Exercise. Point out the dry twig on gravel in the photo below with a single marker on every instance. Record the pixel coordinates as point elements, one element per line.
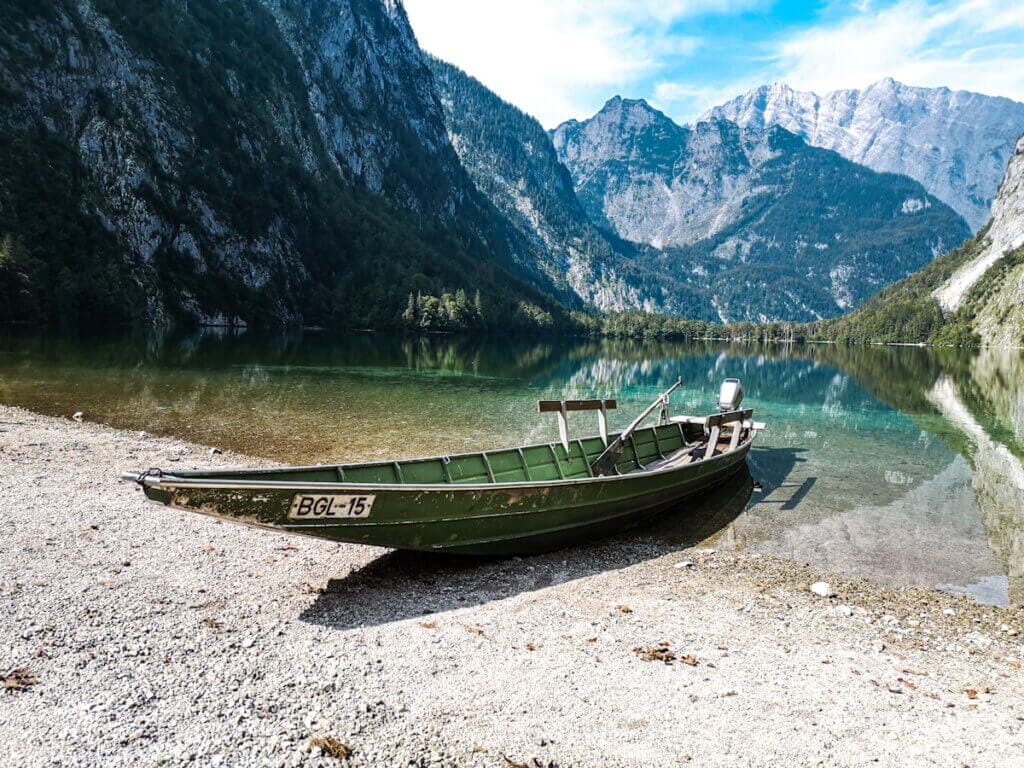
<point>19,679</point>
<point>332,747</point>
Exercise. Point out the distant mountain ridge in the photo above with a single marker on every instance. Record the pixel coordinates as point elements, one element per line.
<point>956,143</point>
<point>511,160</point>
<point>973,295</point>
<point>756,220</point>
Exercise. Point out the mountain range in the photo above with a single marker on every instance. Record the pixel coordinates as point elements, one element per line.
<point>510,158</point>
<point>972,296</point>
<point>956,143</point>
<point>762,224</point>
<point>304,162</point>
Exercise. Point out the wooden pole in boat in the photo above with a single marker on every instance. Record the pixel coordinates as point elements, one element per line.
<point>604,463</point>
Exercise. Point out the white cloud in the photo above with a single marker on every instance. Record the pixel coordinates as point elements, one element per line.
<point>670,94</point>
<point>976,45</point>
<point>558,60</point>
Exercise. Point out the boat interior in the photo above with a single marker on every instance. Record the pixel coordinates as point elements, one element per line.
<point>668,445</point>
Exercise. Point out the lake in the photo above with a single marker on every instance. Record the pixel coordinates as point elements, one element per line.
<point>898,464</point>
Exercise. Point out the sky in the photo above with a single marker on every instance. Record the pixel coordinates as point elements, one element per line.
<point>562,59</point>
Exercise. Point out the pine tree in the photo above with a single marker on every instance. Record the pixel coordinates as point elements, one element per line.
<point>409,316</point>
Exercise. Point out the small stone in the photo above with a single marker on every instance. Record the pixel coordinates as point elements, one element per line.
<point>845,610</point>
<point>822,589</point>
<point>215,451</point>
<point>685,564</point>
<point>78,416</point>
<point>948,612</point>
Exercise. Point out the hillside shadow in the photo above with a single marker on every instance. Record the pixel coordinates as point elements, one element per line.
<point>402,585</point>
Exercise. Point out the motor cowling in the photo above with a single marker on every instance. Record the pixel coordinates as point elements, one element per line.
<point>731,395</point>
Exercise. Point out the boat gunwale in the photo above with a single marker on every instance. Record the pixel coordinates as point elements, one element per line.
<point>163,481</point>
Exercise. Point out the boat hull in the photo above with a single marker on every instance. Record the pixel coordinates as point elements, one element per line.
<point>497,519</point>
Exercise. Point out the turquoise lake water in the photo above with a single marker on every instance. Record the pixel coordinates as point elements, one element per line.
<point>902,465</point>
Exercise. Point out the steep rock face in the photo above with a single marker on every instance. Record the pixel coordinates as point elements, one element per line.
<point>652,180</point>
<point>956,143</point>
<point>510,158</point>
<point>999,313</point>
<point>764,225</point>
<point>242,160</point>
<point>373,100</point>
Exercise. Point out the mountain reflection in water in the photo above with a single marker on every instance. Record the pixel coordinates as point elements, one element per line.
<point>898,464</point>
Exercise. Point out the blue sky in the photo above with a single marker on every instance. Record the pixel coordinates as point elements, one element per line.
<point>558,59</point>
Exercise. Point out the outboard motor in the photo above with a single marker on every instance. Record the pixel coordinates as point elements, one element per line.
<point>730,396</point>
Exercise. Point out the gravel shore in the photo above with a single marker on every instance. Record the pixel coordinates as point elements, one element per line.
<point>139,636</point>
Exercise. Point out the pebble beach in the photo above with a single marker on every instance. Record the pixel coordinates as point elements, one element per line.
<point>135,635</point>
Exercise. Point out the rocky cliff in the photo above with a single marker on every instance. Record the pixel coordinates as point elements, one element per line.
<point>512,161</point>
<point>956,143</point>
<point>232,161</point>
<point>990,286</point>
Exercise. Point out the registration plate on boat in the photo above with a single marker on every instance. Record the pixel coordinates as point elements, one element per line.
<point>329,506</point>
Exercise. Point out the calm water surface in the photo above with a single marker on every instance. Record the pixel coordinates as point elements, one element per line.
<point>902,465</point>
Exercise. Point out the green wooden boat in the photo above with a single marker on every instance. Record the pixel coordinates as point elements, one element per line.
<point>503,502</point>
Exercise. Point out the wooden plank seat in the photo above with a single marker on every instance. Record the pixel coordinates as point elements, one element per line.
<point>554,406</point>
<point>727,417</point>
<point>713,428</point>
<point>562,407</point>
